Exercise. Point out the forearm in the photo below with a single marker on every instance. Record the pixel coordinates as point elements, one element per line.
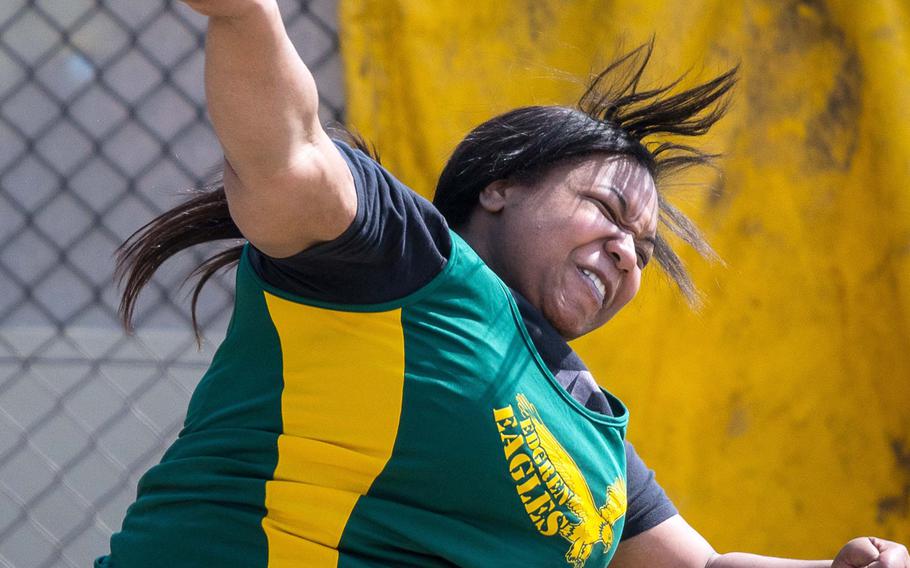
<point>261,97</point>
<point>742,560</point>
<point>674,544</point>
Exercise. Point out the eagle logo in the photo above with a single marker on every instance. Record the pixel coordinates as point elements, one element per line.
<point>574,515</point>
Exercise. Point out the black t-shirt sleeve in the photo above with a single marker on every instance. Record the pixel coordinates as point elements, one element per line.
<point>396,244</point>
<point>648,503</point>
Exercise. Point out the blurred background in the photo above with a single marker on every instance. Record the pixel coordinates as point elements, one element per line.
<point>102,126</point>
<point>777,417</point>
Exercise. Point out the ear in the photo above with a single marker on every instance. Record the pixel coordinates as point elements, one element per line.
<point>493,196</point>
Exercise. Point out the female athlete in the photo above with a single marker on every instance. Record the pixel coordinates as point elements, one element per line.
<point>395,387</point>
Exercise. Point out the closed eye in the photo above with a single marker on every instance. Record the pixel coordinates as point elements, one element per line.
<point>604,209</point>
<point>643,258</point>
<point>642,255</point>
<point>646,253</point>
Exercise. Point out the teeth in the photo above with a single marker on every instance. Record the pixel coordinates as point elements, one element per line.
<point>598,283</point>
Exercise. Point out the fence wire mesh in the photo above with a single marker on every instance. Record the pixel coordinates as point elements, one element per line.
<point>102,122</point>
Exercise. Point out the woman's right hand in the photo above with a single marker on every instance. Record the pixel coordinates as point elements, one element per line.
<point>227,8</point>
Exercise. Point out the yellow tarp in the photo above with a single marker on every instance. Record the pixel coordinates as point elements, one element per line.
<point>778,418</point>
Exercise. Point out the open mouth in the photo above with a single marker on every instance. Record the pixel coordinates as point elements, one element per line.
<point>599,286</point>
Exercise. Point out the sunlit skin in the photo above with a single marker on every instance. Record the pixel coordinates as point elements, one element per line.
<point>597,214</point>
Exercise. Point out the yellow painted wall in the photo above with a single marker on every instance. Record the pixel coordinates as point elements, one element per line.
<point>778,418</point>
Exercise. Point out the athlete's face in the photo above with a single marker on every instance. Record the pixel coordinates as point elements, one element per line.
<point>574,242</point>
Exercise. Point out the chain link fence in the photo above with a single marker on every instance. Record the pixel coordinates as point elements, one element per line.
<point>102,123</point>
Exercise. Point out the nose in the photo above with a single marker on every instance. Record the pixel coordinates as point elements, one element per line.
<point>621,248</point>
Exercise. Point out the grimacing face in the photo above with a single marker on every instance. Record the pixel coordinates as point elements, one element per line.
<point>575,241</point>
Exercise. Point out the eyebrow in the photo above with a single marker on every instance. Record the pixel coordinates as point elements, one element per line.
<point>622,200</point>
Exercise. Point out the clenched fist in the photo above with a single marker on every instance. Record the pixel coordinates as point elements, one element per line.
<point>871,552</point>
<point>227,8</point>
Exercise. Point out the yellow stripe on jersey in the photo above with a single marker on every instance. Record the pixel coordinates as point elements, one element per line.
<point>343,382</point>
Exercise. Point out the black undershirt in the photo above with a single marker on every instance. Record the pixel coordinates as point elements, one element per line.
<point>396,244</point>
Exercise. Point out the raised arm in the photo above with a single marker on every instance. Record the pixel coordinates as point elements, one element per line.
<point>287,185</point>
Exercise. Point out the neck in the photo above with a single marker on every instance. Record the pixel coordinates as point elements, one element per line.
<point>476,238</point>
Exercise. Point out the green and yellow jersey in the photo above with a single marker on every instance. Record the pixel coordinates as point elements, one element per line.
<point>448,425</point>
<point>452,445</point>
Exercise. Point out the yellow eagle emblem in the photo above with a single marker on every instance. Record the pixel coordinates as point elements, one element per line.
<point>571,510</point>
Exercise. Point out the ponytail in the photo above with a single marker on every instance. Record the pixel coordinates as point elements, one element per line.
<point>202,219</point>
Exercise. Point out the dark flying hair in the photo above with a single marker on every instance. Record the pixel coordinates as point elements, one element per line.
<point>613,116</point>
<point>202,218</point>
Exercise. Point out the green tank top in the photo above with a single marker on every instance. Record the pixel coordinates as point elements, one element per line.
<point>422,432</point>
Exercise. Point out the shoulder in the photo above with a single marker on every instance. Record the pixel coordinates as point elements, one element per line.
<point>396,243</point>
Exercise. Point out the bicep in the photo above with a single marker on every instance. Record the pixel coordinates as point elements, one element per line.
<point>312,200</point>
<point>671,544</point>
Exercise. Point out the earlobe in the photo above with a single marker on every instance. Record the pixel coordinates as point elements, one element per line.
<point>493,196</point>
